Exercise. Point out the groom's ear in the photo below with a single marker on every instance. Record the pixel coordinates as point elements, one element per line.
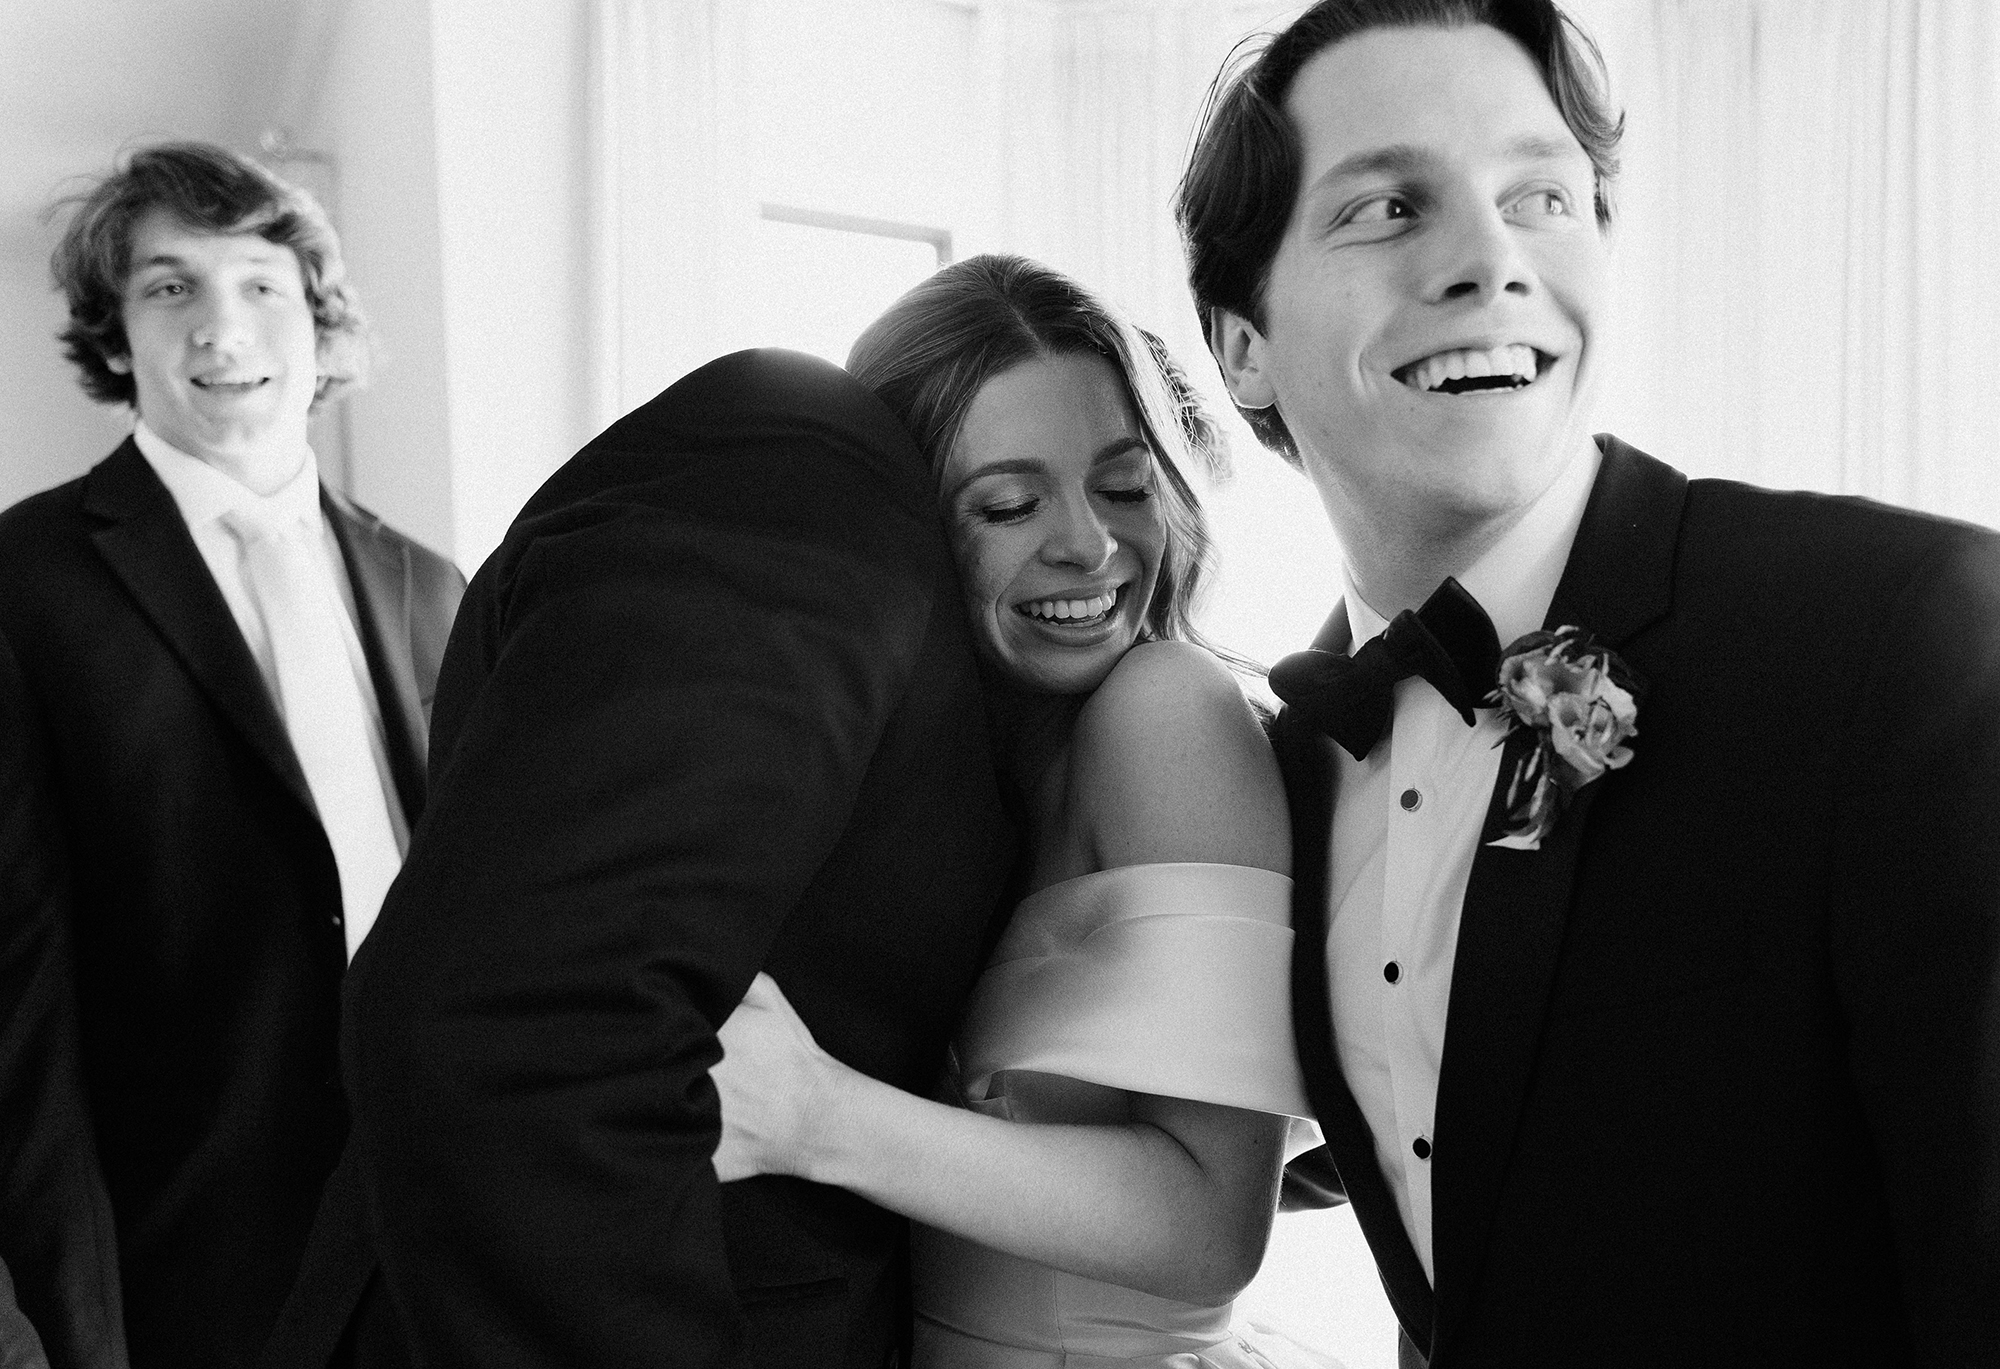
<point>1240,350</point>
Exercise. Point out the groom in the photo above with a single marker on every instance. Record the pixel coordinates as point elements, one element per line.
<point>1706,1070</point>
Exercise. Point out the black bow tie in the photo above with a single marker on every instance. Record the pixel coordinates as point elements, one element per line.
<point>1449,641</point>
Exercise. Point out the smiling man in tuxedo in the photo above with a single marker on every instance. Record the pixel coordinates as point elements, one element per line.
<point>1697,1061</point>
<point>226,668</point>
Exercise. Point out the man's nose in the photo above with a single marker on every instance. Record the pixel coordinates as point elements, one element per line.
<point>1478,255</point>
<point>1079,538</point>
<point>220,324</point>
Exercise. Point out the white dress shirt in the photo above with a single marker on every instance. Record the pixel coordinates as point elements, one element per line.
<point>204,496</point>
<point>1406,825</point>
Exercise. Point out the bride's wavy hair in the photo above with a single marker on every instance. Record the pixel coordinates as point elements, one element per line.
<point>937,346</point>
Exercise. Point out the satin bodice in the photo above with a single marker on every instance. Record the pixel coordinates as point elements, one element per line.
<point>1168,979</point>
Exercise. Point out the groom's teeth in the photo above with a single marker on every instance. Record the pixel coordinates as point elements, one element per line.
<point>1466,370</point>
<point>1070,610</point>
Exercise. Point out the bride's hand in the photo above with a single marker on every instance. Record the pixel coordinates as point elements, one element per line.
<point>773,1079</point>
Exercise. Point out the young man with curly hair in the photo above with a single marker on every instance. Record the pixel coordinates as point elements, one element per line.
<point>228,668</point>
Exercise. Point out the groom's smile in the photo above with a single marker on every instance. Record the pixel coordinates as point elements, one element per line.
<point>1473,370</point>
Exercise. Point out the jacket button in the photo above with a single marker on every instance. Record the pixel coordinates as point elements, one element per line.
<point>1392,972</point>
<point>1411,800</point>
<point>1421,1148</point>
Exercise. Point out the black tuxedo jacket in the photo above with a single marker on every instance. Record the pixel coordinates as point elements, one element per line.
<point>206,904</point>
<point>711,708</point>
<point>55,1220</point>
<point>1721,1075</point>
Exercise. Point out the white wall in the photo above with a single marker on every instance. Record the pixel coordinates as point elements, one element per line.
<point>377,120</point>
<point>459,132</point>
<point>53,432</point>
<point>510,126</point>
<point>462,136</point>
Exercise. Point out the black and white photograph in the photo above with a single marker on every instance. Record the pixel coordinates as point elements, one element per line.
<point>999,684</point>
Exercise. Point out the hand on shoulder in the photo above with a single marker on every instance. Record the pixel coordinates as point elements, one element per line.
<point>1169,763</point>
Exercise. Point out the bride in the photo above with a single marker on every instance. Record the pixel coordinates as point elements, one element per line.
<point>1103,1183</point>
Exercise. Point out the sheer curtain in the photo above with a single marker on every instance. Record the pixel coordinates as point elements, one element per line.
<point>664,202</point>
<point>1808,261</point>
<point>1091,111</point>
<point>1078,121</point>
<point>1809,243</point>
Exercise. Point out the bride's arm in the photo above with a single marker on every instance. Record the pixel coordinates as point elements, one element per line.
<point>1177,1198</point>
<point>1176,1201</point>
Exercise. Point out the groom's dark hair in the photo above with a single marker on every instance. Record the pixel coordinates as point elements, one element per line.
<point>1236,195</point>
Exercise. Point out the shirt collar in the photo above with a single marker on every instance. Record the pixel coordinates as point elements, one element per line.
<point>1515,581</point>
<point>204,494</point>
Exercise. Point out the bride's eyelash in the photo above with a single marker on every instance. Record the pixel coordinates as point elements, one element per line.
<point>1006,513</point>
<point>1014,513</point>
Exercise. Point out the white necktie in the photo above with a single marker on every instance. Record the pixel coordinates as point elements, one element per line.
<point>321,703</point>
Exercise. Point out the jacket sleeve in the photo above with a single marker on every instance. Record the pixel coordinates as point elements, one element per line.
<point>1916,936</point>
<point>56,1231</point>
<point>654,715</point>
<point>1311,1182</point>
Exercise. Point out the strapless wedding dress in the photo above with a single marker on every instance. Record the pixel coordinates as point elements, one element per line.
<point>1162,979</point>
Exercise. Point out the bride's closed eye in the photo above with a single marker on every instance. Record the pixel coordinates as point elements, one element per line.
<point>1020,509</point>
<point>1006,513</point>
<point>1132,494</point>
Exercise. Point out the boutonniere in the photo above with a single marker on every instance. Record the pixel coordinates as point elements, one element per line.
<point>1577,698</point>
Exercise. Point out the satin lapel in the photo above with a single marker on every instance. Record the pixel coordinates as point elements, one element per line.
<point>1617,581</point>
<point>378,569</point>
<point>149,549</point>
<point>1306,761</point>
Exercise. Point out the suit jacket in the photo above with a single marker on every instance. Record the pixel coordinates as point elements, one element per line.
<point>711,708</point>
<point>55,1219</point>
<point>207,935</point>
<point>1721,1075</point>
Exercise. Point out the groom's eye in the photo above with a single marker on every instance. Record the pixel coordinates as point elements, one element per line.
<point>1543,203</point>
<point>1378,211</point>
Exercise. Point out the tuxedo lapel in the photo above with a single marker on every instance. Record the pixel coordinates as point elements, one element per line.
<point>378,569</point>
<point>1617,581</point>
<point>148,548</point>
<point>1305,759</point>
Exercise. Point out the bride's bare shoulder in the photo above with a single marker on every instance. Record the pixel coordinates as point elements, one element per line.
<point>1170,763</point>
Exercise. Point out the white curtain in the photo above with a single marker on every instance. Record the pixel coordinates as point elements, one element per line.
<point>663,210</point>
<point>1808,262</point>
<point>1078,122</point>
<point>1090,106</point>
<point>1809,243</point>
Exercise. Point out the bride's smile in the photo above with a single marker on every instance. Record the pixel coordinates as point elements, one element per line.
<point>1050,496</point>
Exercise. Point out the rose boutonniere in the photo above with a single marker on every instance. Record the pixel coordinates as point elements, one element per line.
<point>1577,697</point>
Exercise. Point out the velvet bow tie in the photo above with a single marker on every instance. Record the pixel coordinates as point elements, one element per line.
<point>1449,641</point>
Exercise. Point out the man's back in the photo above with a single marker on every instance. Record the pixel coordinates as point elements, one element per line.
<point>711,708</point>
